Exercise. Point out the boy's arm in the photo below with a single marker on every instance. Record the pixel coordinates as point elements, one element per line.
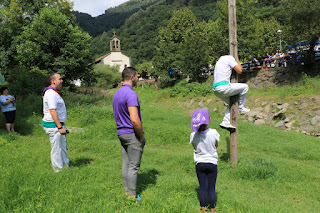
<point>136,122</point>
<point>238,67</point>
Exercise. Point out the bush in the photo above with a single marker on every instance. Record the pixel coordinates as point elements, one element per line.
<point>183,88</point>
<point>24,82</point>
<point>107,76</point>
<point>165,82</point>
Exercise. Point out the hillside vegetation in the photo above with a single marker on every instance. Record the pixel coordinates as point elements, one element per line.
<point>277,171</point>
<point>112,18</point>
<point>139,32</point>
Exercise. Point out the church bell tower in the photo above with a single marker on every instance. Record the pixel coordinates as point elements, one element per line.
<point>115,43</point>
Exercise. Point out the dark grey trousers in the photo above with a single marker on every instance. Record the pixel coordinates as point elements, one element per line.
<point>131,149</point>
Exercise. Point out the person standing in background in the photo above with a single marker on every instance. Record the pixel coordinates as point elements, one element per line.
<point>8,107</point>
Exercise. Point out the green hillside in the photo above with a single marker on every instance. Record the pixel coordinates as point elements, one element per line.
<point>112,18</point>
<point>139,30</point>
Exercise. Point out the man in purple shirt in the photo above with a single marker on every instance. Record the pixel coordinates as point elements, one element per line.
<point>126,109</point>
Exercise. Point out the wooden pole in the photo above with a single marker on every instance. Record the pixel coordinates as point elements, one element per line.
<point>234,79</point>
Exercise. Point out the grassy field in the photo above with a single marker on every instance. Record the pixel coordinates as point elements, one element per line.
<point>277,171</point>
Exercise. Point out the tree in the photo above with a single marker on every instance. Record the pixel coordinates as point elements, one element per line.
<point>254,34</point>
<point>195,53</point>
<point>33,45</point>
<point>52,43</point>
<point>217,39</point>
<point>16,14</point>
<point>182,45</point>
<point>270,35</point>
<point>145,66</point>
<point>107,76</point>
<point>303,18</point>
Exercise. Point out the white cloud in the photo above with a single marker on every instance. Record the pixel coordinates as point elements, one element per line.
<point>95,7</point>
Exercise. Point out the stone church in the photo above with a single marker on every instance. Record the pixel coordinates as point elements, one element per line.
<point>115,57</point>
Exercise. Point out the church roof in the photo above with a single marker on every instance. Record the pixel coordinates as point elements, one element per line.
<point>115,37</point>
<point>99,59</point>
<point>102,57</point>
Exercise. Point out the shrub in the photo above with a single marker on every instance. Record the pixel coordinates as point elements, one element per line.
<point>197,89</point>
<point>107,76</point>
<point>306,80</point>
<point>23,82</point>
<point>165,82</point>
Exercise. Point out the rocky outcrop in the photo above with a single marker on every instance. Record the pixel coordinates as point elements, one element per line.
<point>269,77</point>
<point>302,115</point>
<point>277,115</point>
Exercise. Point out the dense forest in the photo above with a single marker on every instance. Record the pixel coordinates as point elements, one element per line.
<point>137,23</point>
<point>43,36</point>
<point>113,17</point>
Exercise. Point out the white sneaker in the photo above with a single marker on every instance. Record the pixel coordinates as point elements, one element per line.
<point>243,110</point>
<point>226,125</point>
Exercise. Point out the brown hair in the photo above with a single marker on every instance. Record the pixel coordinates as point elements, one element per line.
<point>52,77</point>
<point>128,72</point>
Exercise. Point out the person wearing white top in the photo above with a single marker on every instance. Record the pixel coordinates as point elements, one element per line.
<point>205,144</point>
<point>224,89</point>
<point>54,116</point>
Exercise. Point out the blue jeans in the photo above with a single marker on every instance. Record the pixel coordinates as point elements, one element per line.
<point>131,149</point>
<point>207,176</point>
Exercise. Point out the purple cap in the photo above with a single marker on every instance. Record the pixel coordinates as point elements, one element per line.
<point>199,117</point>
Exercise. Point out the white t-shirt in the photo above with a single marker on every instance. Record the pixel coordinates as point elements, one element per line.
<point>52,100</point>
<point>204,149</point>
<point>223,68</point>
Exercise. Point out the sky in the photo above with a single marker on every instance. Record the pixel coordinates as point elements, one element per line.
<point>95,7</point>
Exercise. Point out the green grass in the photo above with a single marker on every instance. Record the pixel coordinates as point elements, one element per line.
<point>306,86</point>
<point>277,171</point>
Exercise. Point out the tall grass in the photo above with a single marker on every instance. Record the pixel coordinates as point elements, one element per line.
<point>277,171</point>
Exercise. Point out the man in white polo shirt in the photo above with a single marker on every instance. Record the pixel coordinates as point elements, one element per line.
<point>54,116</point>
<point>224,89</point>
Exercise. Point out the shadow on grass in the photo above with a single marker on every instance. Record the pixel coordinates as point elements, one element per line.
<point>80,162</point>
<point>226,156</point>
<point>146,179</point>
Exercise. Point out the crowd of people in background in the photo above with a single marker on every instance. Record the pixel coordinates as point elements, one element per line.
<point>278,59</point>
<point>275,59</point>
